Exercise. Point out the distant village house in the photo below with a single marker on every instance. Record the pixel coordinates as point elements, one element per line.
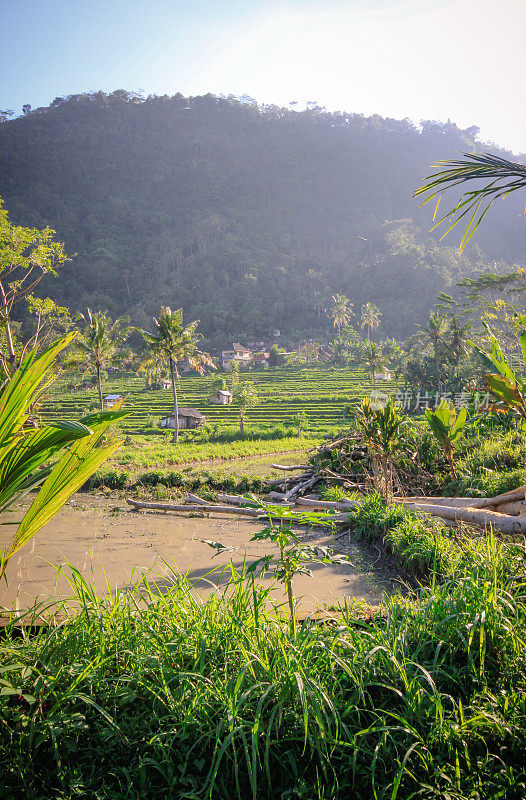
<point>221,398</point>
<point>188,418</point>
<point>238,353</point>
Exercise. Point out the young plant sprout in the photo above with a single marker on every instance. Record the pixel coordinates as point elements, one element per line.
<point>292,556</point>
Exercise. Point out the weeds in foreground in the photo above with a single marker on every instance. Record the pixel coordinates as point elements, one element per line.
<point>157,693</point>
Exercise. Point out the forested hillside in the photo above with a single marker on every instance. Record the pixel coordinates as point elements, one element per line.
<point>249,217</point>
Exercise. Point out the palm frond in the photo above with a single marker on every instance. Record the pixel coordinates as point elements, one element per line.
<point>502,178</point>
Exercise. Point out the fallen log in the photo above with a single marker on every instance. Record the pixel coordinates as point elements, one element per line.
<point>289,468</point>
<point>244,501</point>
<point>244,512</point>
<point>193,498</point>
<point>514,509</point>
<point>342,505</point>
<point>461,502</point>
<point>300,487</point>
<point>288,479</point>
<point>278,496</point>
<point>508,497</point>
<point>258,513</point>
<point>501,522</point>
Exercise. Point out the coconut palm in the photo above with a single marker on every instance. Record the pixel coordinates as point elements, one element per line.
<point>370,318</point>
<point>174,342</point>
<point>501,178</point>
<point>100,341</point>
<point>340,311</point>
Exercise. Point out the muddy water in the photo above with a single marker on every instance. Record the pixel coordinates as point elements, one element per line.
<point>109,544</point>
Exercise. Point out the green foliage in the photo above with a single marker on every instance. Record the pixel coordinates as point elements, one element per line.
<point>146,694</point>
<point>276,356</point>
<point>246,397</point>
<point>100,343</point>
<point>447,427</point>
<point>233,260</point>
<point>174,342</point>
<point>299,420</point>
<point>502,176</point>
<point>383,430</point>
<point>25,453</point>
<point>27,255</point>
<point>504,384</point>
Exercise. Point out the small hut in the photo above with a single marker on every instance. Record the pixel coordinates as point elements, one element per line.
<point>384,375</point>
<point>110,400</point>
<point>221,398</point>
<point>166,383</point>
<point>188,418</point>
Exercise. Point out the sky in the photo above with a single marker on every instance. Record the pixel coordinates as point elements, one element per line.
<point>461,60</point>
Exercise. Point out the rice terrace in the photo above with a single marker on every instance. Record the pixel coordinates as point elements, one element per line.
<point>262,415</point>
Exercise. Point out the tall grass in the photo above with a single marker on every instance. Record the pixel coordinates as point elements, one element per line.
<point>157,694</point>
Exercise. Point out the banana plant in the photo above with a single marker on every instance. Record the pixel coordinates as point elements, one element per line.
<point>447,427</point>
<point>25,453</point>
<point>505,385</point>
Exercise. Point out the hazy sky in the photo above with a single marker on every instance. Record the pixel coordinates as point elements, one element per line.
<point>423,59</point>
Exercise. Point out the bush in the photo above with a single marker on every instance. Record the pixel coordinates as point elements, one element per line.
<point>110,479</point>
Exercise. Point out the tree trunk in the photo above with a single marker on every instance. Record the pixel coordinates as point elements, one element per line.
<point>241,421</point>
<point>99,383</point>
<point>175,437</point>
<point>9,339</point>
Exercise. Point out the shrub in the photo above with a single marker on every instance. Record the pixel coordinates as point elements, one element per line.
<point>112,479</point>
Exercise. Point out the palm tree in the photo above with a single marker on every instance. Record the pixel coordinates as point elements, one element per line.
<point>100,341</point>
<point>501,176</point>
<point>373,359</point>
<point>340,311</point>
<point>370,318</point>
<point>174,342</point>
<point>432,336</point>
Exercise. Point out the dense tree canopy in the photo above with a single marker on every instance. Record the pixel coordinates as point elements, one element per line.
<point>251,218</point>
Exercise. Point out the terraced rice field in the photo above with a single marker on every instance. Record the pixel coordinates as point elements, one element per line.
<point>322,394</point>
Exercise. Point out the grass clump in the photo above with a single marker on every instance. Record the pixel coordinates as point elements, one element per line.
<point>422,546</point>
<point>149,695</point>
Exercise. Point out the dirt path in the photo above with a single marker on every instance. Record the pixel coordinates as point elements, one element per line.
<point>107,542</point>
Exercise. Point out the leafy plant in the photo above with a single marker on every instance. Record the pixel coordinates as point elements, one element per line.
<point>299,420</point>
<point>25,452</point>
<point>447,426</point>
<point>502,381</point>
<point>247,398</point>
<point>292,557</point>
<point>382,428</point>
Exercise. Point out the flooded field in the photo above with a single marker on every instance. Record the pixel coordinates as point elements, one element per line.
<point>111,545</point>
